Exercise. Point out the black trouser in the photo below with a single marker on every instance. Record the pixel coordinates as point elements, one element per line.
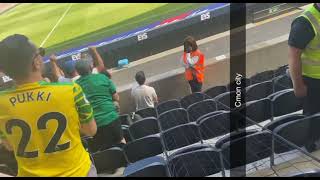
<point>195,85</point>
<point>107,136</point>
<point>311,105</point>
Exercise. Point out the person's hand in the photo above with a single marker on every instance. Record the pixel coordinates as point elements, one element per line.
<point>53,58</point>
<point>92,48</point>
<point>300,90</point>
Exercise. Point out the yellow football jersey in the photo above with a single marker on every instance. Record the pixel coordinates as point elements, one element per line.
<point>42,123</point>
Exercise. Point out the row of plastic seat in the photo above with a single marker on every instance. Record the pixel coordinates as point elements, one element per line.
<point>202,112</point>
<point>190,161</point>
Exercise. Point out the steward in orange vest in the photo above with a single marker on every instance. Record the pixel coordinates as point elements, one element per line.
<point>193,60</point>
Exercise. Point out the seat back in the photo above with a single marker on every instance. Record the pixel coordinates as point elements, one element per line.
<point>233,136</point>
<point>223,100</point>
<point>173,118</point>
<point>259,90</point>
<point>180,136</point>
<point>147,112</point>
<point>257,111</point>
<point>143,148</point>
<point>199,163</point>
<point>257,145</point>
<point>261,77</point>
<point>282,82</point>
<point>167,105</point>
<point>109,159</point>
<point>144,127</point>
<point>285,102</point>
<point>192,98</point>
<point>214,91</point>
<point>284,119</point>
<point>201,108</point>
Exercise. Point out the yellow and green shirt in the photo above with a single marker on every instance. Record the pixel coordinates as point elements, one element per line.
<point>42,122</point>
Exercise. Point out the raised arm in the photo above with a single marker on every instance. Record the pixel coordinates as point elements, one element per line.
<point>97,60</point>
<point>56,71</point>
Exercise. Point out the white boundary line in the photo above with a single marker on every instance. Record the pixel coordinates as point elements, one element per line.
<point>56,25</point>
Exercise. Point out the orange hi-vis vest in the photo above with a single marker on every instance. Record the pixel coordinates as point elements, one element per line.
<point>198,69</point>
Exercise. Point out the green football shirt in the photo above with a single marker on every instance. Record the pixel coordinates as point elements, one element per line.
<point>99,89</point>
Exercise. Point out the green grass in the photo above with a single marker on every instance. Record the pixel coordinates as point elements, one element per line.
<point>85,22</point>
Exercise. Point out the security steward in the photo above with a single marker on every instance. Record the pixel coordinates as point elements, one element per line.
<point>304,64</point>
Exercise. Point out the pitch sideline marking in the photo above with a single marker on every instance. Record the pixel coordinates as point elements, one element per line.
<point>56,25</point>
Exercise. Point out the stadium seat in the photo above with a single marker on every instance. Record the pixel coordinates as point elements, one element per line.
<point>149,167</point>
<point>263,76</point>
<point>223,100</point>
<point>147,112</point>
<point>258,111</point>
<point>282,120</point>
<point>215,126</point>
<point>285,102</point>
<point>208,115</point>
<point>201,108</point>
<point>282,82</point>
<point>280,71</point>
<point>186,101</point>
<point>173,118</point>
<point>214,91</point>
<point>125,119</point>
<point>168,105</point>
<point>257,147</point>
<point>143,148</point>
<point>126,133</point>
<point>180,136</point>
<point>232,86</point>
<point>234,135</point>
<point>288,131</point>
<point>259,90</point>
<point>198,163</point>
<point>144,127</point>
<point>109,159</point>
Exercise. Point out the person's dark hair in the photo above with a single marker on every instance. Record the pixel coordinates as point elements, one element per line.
<point>83,67</point>
<point>190,41</point>
<point>17,53</point>
<point>140,78</point>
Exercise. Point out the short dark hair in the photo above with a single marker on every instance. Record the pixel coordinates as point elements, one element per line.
<point>190,41</point>
<point>140,77</point>
<point>16,56</point>
<point>83,67</point>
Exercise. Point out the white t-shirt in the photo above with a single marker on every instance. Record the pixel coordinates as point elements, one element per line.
<point>144,96</point>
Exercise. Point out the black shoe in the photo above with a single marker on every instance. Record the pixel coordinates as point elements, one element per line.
<point>311,147</point>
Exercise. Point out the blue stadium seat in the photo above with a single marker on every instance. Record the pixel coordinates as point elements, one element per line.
<point>263,76</point>
<point>215,91</point>
<point>259,91</point>
<point>180,136</point>
<point>285,102</point>
<point>201,108</point>
<point>209,115</point>
<point>257,147</point>
<point>173,118</point>
<point>109,159</point>
<point>198,163</point>
<point>192,98</point>
<point>282,82</point>
<point>144,127</point>
<point>167,105</point>
<point>143,148</point>
<point>147,112</point>
<point>149,167</point>
<point>257,111</point>
<point>233,136</point>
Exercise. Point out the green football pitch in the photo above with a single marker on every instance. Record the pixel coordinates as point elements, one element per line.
<point>63,26</point>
